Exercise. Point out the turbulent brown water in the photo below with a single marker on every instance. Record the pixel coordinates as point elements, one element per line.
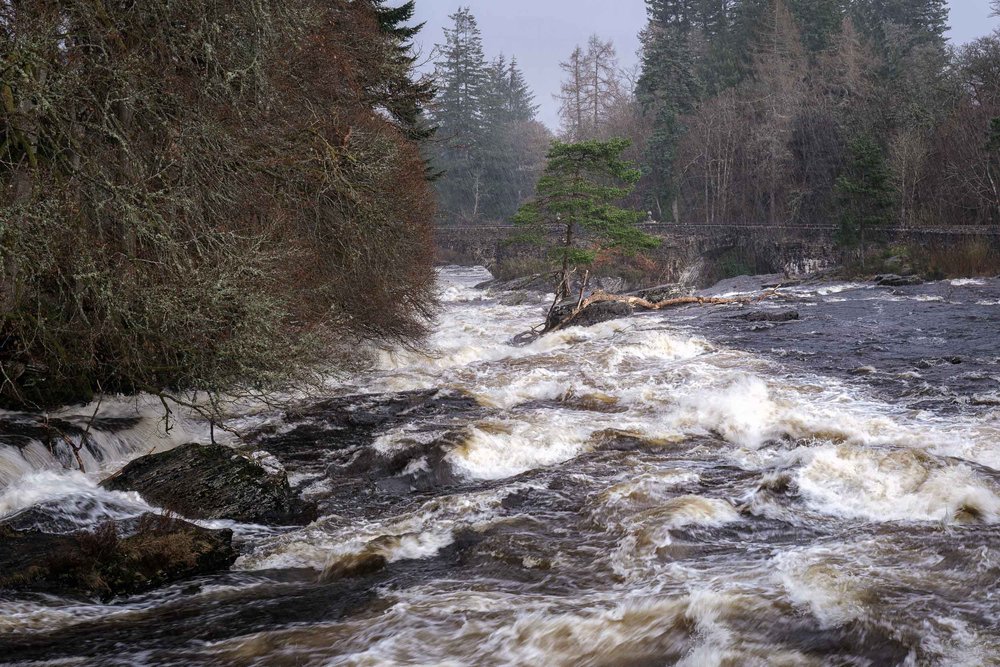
<point>677,488</point>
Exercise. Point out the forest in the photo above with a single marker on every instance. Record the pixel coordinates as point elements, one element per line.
<point>846,113</point>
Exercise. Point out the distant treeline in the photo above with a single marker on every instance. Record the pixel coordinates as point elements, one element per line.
<point>851,112</point>
<point>203,194</point>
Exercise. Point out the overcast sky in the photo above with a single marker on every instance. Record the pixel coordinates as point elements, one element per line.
<point>541,33</point>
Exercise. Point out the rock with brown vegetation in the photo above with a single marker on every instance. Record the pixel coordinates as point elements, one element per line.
<point>122,558</point>
<point>213,482</point>
<point>596,313</point>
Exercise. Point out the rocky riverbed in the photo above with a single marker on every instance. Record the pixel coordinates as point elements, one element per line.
<point>808,480</point>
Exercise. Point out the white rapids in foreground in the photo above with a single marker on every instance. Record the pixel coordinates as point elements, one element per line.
<point>767,515</point>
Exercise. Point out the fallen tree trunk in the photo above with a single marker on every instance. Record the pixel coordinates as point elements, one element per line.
<point>638,302</point>
<point>528,337</point>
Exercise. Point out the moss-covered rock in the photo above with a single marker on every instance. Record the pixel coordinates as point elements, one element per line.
<point>121,558</point>
<point>213,482</point>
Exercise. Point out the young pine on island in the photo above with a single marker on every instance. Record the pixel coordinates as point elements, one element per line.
<point>577,198</point>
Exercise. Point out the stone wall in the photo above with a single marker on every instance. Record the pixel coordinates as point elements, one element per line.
<point>698,254</point>
<point>683,256</point>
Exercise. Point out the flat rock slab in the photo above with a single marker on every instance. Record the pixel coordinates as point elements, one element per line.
<point>213,482</point>
<point>770,316</point>
<point>123,558</point>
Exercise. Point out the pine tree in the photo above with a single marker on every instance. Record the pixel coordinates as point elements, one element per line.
<point>819,21</point>
<point>866,193</point>
<point>458,112</point>
<point>462,78</point>
<point>720,66</point>
<point>488,150</point>
<point>508,105</point>
<point>521,105</point>
<point>668,88</point>
<point>591,90</point>
<point>573,97</point>
<point>404,97</point>
<point>578,195</point>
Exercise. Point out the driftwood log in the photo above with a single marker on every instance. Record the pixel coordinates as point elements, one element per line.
<point>636,302</point>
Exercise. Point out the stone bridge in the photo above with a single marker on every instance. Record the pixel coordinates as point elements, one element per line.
<point>794,250</point>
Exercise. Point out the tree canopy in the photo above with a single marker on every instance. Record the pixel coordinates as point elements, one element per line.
<point>578,197</point>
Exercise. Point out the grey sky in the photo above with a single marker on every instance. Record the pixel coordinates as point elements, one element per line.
<point>541,33</point>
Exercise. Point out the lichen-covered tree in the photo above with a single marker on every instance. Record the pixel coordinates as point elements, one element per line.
<point>202,194</point>
<point>576,214</point>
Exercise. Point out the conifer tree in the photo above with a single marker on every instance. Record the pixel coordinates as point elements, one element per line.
<point>819,21</point>
<point>578,196</point>
<point>591,89</point>
<point>521,105</point>
<point>402,95</point>
<point>462,86</point>
<point>488,149</point>
<point>866,194</point>
<point>507,106</point>
<point>668,88</point>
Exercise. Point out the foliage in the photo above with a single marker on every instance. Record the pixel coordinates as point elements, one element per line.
<point>578,196</point>
<point>490,147</point>
<point>754,105</point>
<point>865,192</point>
<point>591,90</point>
<point>176,211</point>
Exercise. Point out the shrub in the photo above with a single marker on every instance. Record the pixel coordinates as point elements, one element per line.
<point>202,194</point>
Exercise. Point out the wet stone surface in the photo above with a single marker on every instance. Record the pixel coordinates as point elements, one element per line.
<point>213,482</point>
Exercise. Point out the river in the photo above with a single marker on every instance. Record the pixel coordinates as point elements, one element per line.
<point>680,487</point>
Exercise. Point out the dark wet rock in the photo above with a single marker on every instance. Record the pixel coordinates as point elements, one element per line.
<point>609,284</point>
<point>63,515</point>
<point>782,284</point>
<point>413,466</point>
<point>375,411</point>
<point>893,280</point>
<point>742,284</point>
<point>213,482</point>
<point>595,313</point>
<point>770,316</point>
<point>121,558</point>
<point>661,292</point>
<point>331,441</point>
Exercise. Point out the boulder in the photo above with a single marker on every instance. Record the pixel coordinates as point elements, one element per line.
<point>770,316</point>
<point>213,482</point>
<point>893,280</point>
<point>595,313</point>
<point>661,292</point>
<point>118,558</point>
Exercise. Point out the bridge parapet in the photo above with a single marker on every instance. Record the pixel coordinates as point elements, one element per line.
<point>792,249</point>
